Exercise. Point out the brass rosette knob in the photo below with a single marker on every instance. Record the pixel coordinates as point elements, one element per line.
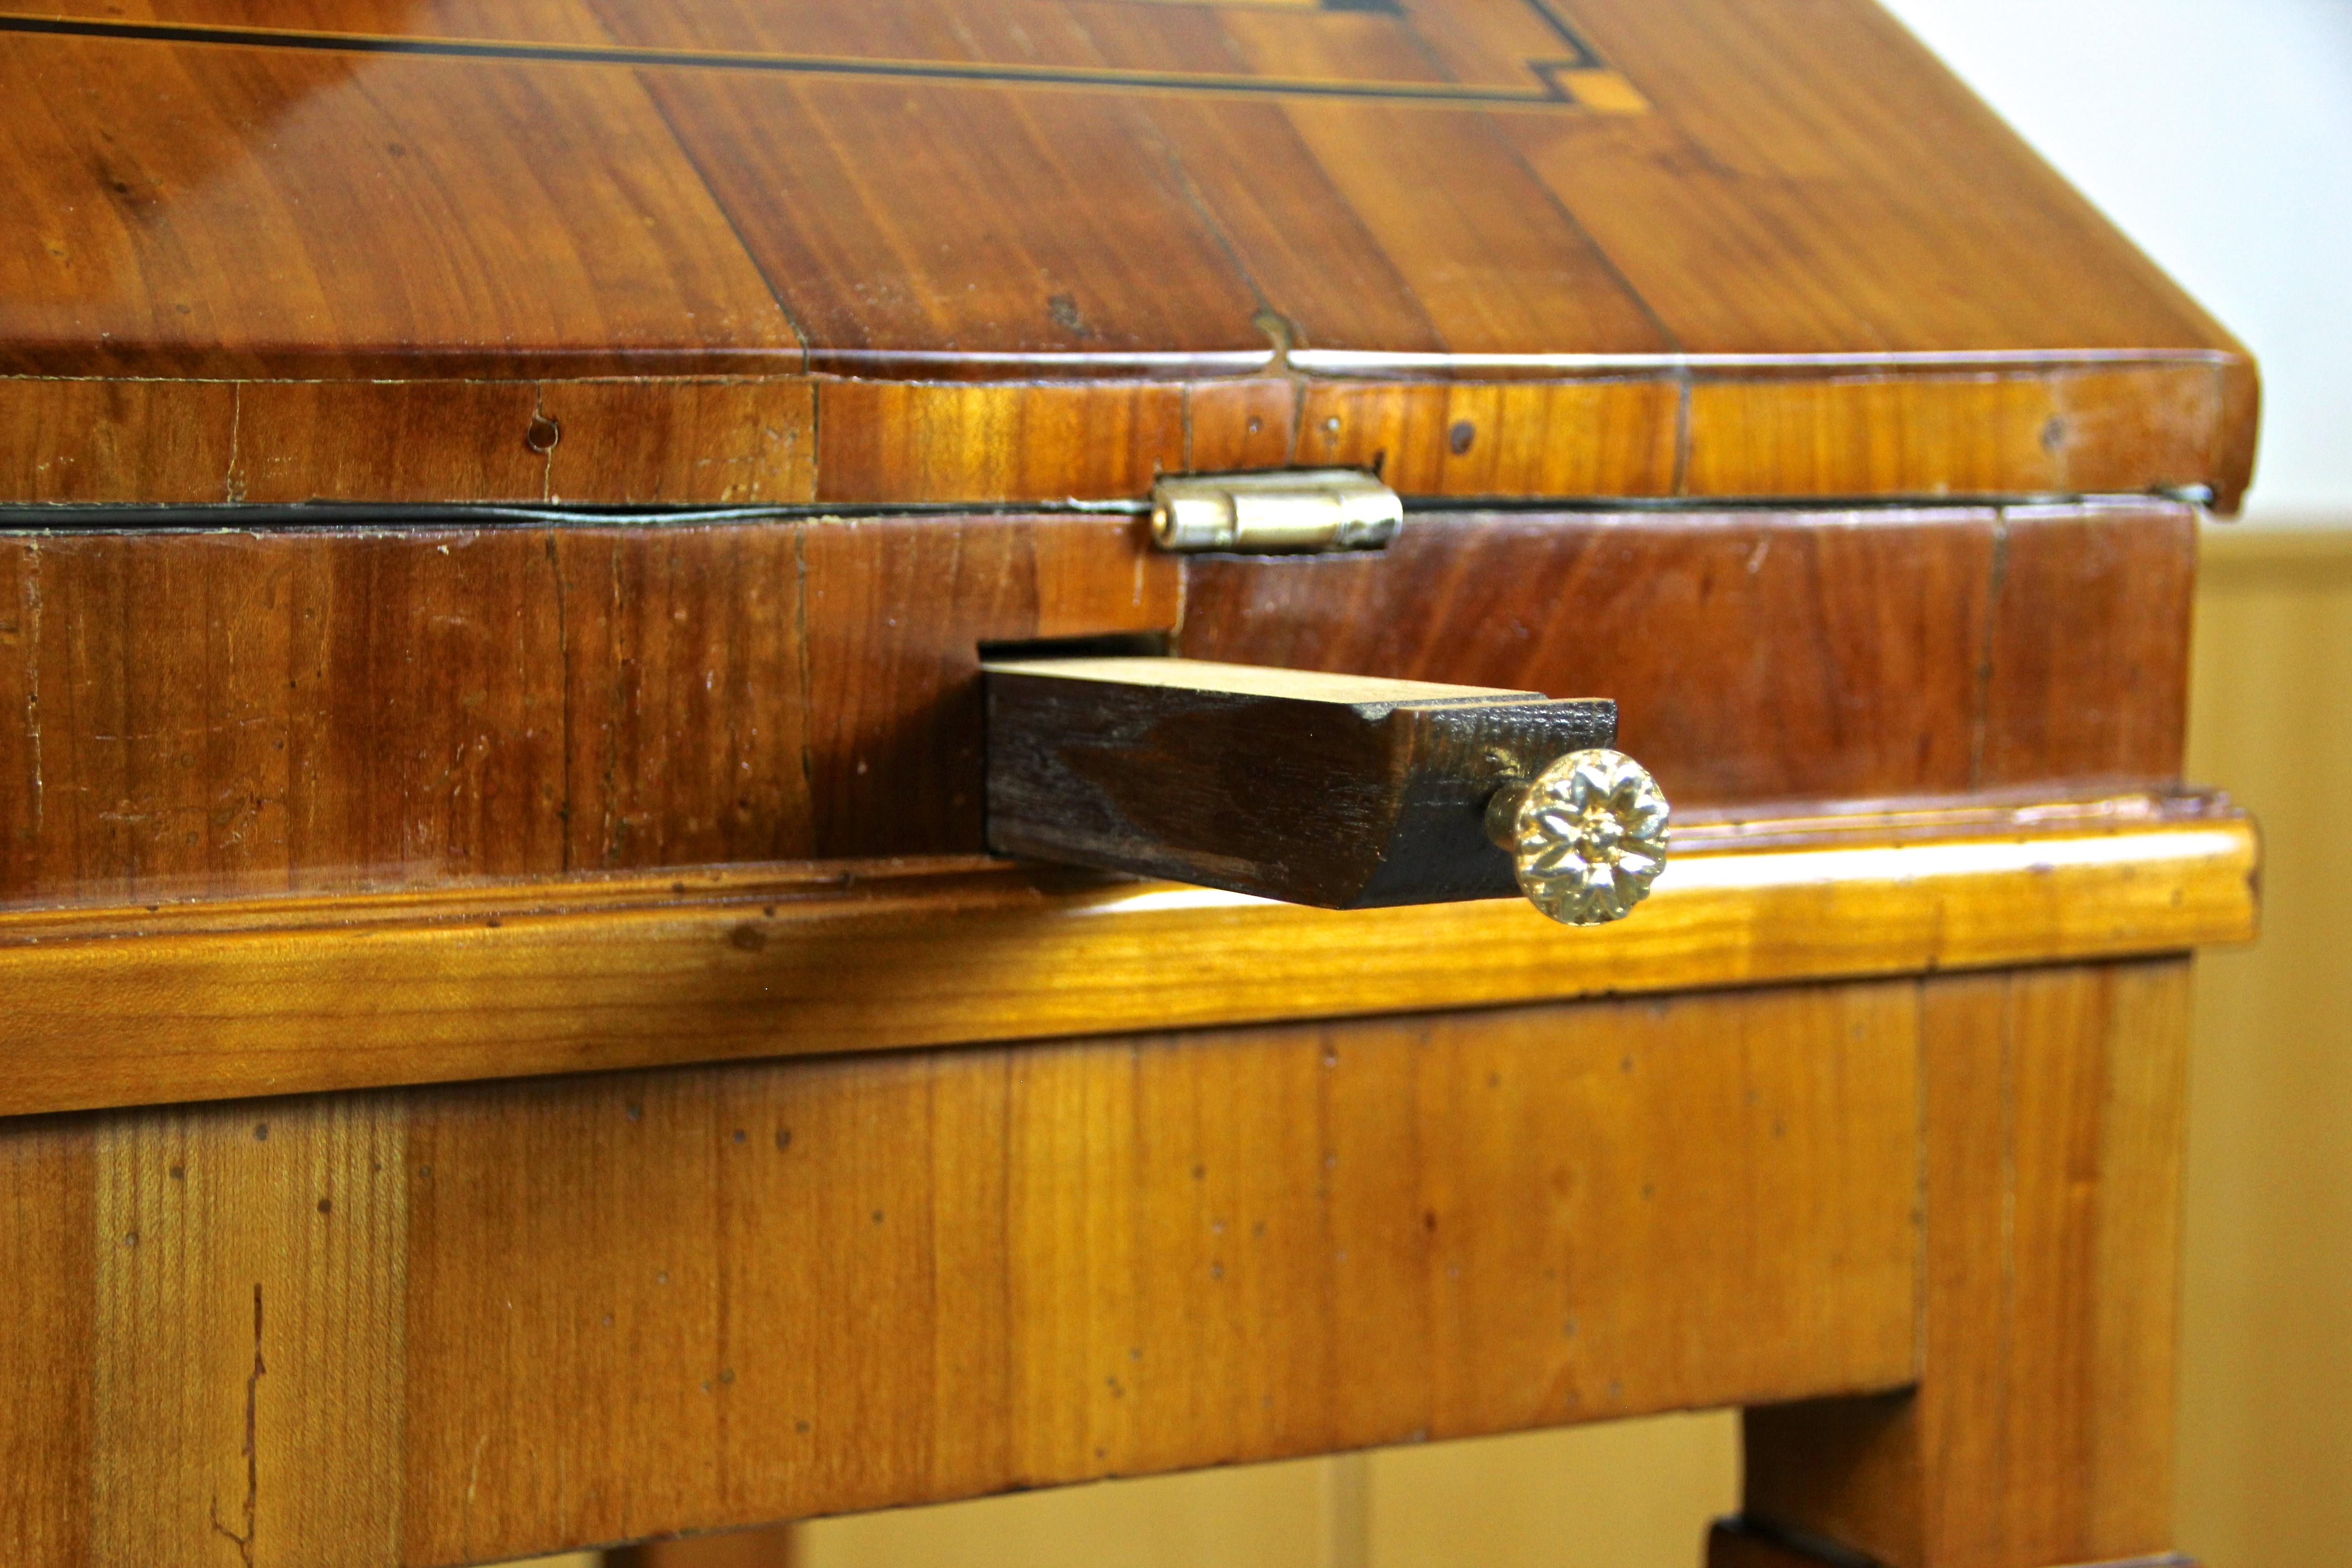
<point>1587,835</point>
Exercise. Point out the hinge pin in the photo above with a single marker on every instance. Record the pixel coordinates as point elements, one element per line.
<point>1289,511</point>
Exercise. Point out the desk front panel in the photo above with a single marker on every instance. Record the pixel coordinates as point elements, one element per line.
<point>473,1322</point>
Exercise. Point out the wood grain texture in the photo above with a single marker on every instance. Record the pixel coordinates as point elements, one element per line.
<point>210,713</point>
<point>1757,234</point>
<point>248,1335</point>
<point>68,441</point>
<point>2072,431</point>
<point>884,441</point>
<point>1513,438</point>
<point>223,713</point>
<point>1856,654</point>
<point>397,441</point>
<point>1125,270</point>
<point>895,612</point>
<point>656,441</point>
<point>2086,671</point>
<point>1845,152</point>
<point>417,225</point>
<point>702,440</point>
<point>210,1000</point>
<point>603,1308</point>
<point>49,1243</point>
<point>1337,791</point>
<point>1235,425</point>
<point>677,443</point>
<point>683,728</point>
<point>671,442</point>
<point>2041,1432</point>
<point>1847,653</point>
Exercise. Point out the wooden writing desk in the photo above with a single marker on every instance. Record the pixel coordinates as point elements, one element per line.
<point>510,1036</point>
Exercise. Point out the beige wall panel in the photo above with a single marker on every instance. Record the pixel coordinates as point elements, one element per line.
<point>1255,1516</point>
<point>1632,1494</point>
<point>1623,1495</point>
<point>2266,1428</point>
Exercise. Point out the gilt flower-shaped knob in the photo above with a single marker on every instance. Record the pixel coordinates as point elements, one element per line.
<point>1587,835</point>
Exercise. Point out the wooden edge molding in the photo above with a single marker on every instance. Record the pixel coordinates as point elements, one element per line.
<point>302,996</point>
<point>1724,427</point>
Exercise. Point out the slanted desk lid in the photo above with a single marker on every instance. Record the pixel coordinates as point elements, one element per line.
<point>694,251</point>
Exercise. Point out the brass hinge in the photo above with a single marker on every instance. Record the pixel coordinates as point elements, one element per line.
<point>1294,512</point>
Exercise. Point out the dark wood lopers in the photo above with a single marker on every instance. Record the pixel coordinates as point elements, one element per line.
<point>1345,792</point>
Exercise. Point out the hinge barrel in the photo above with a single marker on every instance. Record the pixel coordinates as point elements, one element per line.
<point>1292,512</point>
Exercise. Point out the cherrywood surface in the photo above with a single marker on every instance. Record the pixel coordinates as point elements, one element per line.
<point>2088,670</point>
<point>471,1323</point>
<point>583,798</point>
<point>458,1324</point>
<point>1346,792</point>
<point>428,250</point>
<point>227,714</point>
<point>2040,1431</point>
<point>1855,654</point>
<point>209,1001</point>
<point>208,713</point>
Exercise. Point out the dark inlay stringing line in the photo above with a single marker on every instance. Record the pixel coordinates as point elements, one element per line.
<point>1550,94</point>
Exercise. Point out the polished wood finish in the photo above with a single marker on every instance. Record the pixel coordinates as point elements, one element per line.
<point>1704,250</point>
<point>894,614</point>
<point>2040,1431</point>
<point>520,1292</point>
<point>219,1000</point>
<point>2088,670</point>
<point>507,838</point>
<point>418,705</point>
<point>1997,431</point>
<point>1771,657</point>
<point>469,1323</point>
<point>1345,792</point>
<point>227,715</point>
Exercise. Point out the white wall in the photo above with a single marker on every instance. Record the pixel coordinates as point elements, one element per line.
<point>2219,134</point>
